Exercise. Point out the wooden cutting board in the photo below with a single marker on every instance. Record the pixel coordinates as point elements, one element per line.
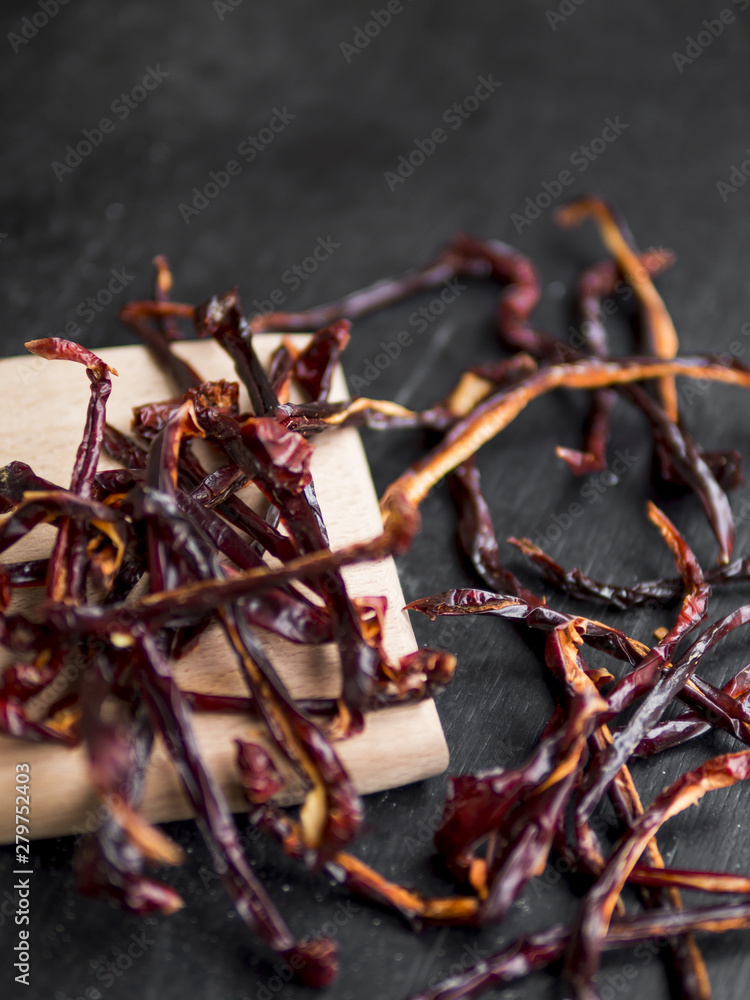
<point>43,410</point>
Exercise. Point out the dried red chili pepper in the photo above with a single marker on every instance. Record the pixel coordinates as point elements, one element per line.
<point>674,732</point>
<point>681,460</point>
<point>596,283</point>
<point>137,320</point>
<point>361,879</point>
<point>65,576</point>
<point>332,810</point>
<point>296,501</point>
<point>596,910</point>
<point>653,672</point>
<point>166,514</point>
<point>659,326</point>
<point>477,534</point>
<point>315,960</point>
<point>314,366</point>
<point>539,616</point>
<point>526,955</point>
<point>109,863</point>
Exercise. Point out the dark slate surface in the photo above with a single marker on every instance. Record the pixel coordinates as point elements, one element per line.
<point>323,177</point>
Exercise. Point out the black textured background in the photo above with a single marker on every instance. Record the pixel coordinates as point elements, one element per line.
<point>323,176</point>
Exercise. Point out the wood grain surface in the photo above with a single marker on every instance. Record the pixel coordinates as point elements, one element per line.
<point>399,745</point>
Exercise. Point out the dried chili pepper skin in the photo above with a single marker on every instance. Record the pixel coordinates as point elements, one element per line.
<point>171,716</point>
<point>331,813</point>
<point>359,878</point>
<point>15,479</point>
<point>135,317</point>
<point>177,553</point>
<point>463,255</point>
<point>596,283</point>
<point>472,602</point>
<point>314,366</point>
<point>624,598</point>
<point>15,722</point>
<point>528,831</point>
<point>193,477</point>
<point>258,774</point>
<point>222,396</point>
<point>222,318</point>
<point>108,864</point>
<point>55,507</point>
<point>492,415</point>
<point>675,732</point>
<point>615,234</point>
<point>654,671</point>
<point>594,917</point>
<point>475,805</point>
<point>541,949</point>
<point>682,460</point>
<point>280,611</point>
<point>67,564</point>
<point>198,569</point>
<point>521,808</point>
<point>315,961</point>
<point>134,893</point>
<point>579,585</point>
<point>162,292</point>
<point>477,535</point>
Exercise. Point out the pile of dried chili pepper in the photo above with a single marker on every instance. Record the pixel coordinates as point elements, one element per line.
<point>164,518</point>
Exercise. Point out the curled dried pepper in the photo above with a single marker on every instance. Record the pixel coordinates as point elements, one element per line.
<point>167,520</point>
